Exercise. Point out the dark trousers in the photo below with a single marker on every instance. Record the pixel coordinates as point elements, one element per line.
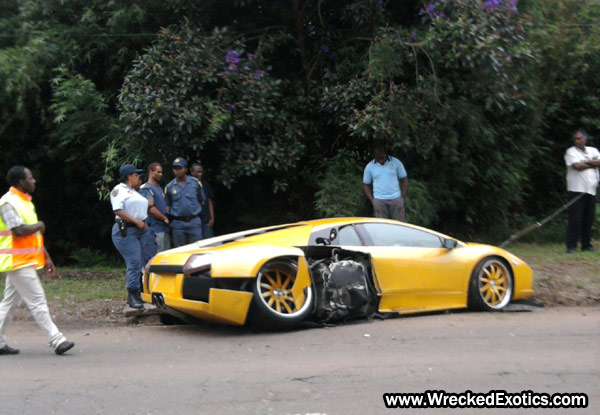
<point>581,217</point>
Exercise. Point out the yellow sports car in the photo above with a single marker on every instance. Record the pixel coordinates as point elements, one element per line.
<point>331,270</point>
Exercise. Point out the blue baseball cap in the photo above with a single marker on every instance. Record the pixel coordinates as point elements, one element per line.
<point>127,169</point>
<point>179,162</point>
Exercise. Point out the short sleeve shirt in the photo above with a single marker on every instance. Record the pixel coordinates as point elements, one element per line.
<point>10,216</point>
<point>184,200</point>
<point>582,181</point>
<point>128,199</point>
<point>385,178</point>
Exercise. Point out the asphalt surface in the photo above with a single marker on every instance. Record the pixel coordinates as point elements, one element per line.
<point>154,369</point>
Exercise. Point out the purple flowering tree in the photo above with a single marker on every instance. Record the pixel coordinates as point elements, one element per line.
<point>193,92</point>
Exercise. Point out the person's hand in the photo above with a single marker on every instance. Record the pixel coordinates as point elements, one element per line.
<point>140,224</point>
<point>50,268</point>
<point>211,222</point>
<point>166,221</point>
<point>41,227</point>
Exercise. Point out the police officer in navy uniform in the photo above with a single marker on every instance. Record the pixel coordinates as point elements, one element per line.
<point>184,198</point>
<point>129,233</point>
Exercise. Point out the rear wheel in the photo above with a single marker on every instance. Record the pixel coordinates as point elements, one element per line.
<point>278,302</point>
<point>491,285</point>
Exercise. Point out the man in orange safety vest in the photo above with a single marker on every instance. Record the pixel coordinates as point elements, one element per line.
<point>22,253</point>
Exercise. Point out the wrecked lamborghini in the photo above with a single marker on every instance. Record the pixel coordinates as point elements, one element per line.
<point>330,270</point>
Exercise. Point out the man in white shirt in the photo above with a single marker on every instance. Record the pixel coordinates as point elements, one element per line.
<point>582,181</point>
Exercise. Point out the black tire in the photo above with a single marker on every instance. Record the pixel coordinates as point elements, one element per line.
<point>273,305</point>
<point>491,285</point>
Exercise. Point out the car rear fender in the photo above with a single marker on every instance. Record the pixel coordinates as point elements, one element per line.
<point>247,261</point>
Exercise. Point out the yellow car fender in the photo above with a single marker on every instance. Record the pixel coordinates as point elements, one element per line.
<point>522,273</point>
<point>248,260</point>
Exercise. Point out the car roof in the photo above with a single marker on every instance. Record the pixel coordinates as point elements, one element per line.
<point>296,233</point>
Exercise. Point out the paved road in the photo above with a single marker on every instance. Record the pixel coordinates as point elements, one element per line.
<point>151,369</point>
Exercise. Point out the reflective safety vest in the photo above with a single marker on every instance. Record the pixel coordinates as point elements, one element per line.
<point>20,251</point>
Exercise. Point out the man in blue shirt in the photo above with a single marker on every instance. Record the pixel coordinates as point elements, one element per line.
<point>158,223</point>
<point>385,173</point>
<point>184,199</point>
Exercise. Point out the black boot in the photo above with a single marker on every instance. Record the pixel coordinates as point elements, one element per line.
<point>138,296</point>
<point>133,299</point>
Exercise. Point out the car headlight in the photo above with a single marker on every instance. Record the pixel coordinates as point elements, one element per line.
<point>197,263</point>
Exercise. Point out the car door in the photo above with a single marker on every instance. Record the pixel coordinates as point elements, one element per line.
<point>413,269</point>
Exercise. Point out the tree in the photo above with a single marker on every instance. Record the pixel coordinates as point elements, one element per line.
<point>192,92</point>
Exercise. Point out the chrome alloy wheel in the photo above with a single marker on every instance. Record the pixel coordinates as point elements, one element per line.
<point>276,285</point>
<point>495,284</point>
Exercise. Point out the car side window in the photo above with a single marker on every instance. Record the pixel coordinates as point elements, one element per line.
<point>383,234</point>
<point>348,236</point>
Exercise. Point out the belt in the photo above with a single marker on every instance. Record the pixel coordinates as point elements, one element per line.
<point>185,218</point>
<point>129,224</point>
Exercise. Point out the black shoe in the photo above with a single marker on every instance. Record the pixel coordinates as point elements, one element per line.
<point>571,250</point>
<point>64,347</point>
<point>588,249</point>
<point>134,299</point>
<point>8,350</point>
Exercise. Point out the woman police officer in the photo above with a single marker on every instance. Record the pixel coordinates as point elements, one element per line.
<point>129,233</point>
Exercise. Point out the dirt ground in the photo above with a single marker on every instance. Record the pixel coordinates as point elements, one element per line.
<point>575,282</point>
<point>555,284</point>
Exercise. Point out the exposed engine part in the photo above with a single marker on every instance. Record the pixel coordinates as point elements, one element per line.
<point>343,286</point>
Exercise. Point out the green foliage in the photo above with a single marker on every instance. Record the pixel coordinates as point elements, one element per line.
<point>566,38</point>
<point>80,115</point>
<point>90,258</point>
<point>192,90</point>
<point>478,102</point>
<point>454,105</point>
<point>340,191</point>
<point>421,208</point>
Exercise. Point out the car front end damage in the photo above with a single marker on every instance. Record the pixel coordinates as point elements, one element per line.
<point>340,281</point>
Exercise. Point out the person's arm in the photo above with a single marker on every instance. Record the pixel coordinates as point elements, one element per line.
<point>367,180</point>
<point>211,209</point>
<point>158,215</point>
<point>368,191</point>
<point>200,194</point>
<point>168,200</point>
<point>128,218</point>
<point>572,160</point>
<point>50,267</point>
<point>404,186</point>
<point>26,230</point>
<point>582,166</point>
<point>594,163</point>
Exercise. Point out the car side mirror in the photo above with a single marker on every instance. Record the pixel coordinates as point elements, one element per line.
<point>450,243</point>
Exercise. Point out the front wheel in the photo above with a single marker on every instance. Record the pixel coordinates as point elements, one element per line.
<point>278,303</point>
<point>491,285</point>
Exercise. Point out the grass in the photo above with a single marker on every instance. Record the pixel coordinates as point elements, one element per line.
<point>74,284</point>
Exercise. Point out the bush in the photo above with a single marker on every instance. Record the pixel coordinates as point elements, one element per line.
<point>340,187</point>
